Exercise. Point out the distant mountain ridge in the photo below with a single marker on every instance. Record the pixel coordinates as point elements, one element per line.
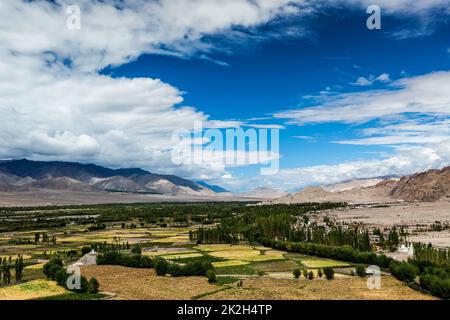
<point>428,186</point>
<point>24,175</point>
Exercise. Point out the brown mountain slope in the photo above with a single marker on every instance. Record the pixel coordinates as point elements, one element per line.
<point>430,185</point>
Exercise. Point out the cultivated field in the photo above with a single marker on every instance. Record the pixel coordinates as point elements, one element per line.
<point>350,288</point>
<point>128,283</point>
<point>31,290</point>
<point>265,273</point>
<point>143,284</point>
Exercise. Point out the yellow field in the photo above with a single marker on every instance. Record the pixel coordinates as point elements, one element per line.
<point>225,247</point>
<point>322,263</point>
<point>166,252</point>
<point>178,238</point>
<point>229,263</point>
<point>15,256</point>
<point>35,266</point>
<point>247,255</point>
<point>31,290</point>
<point>181,256</point>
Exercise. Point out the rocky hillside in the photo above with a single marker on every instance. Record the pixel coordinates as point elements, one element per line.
<point>26,175</point>
<point>431,185</point>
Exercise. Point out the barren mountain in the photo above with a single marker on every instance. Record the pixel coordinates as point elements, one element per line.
<point>25,175</point>
<point>431,185</point>
<point>351,184</point>
<point>376,193</point>
<point>263,193</point>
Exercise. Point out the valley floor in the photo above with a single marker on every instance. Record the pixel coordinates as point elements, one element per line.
<point>64,197</point>
<point>129,283</point>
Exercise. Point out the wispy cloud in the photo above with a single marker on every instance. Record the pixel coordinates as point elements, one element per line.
<point>422,94</point>
<point>371,79</point>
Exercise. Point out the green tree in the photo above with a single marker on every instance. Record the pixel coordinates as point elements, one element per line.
<point>305,273</point>
<point>319,273</point>
<point>329,273</point>
<point>361,270</point>
<point>296,273</point>
<point>211,275</point>
<point>93,285</point>
<point>161,266</point>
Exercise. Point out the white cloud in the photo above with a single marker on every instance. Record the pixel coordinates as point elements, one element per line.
<point>113,32</point>
<point>56,105</point>
<point>423,94</point>
<point>371,79</point>
<point>404,161</point>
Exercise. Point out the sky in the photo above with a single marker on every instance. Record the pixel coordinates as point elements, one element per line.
<point>348,102</point>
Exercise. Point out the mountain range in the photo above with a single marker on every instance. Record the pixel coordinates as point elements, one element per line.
<point>26,175</point>
<point>428,186</point>
<point>42,179</point>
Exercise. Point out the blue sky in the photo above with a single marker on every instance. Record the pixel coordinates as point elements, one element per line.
<point>353,102</point>
<point>261,78</point>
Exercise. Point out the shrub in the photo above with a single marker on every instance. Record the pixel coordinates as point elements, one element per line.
<point>361,270</point>
<point>93,285</point>
<point>403,271</point>
<point>84,284</point>
<point>126,260</point>
<point>305,273</point>
<point>211,275</point>
<point>161,266</point>
<point>51,267</point>
<point>310,275</point>
<point>61,277</point>
<point>196,268</point>
<point>437,286</point>
<point>296,273</point>
<point>136,249</point>
<point>329,273</point>
<point>320,273</point>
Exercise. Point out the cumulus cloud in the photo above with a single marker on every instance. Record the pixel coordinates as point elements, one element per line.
<point>55,103</point>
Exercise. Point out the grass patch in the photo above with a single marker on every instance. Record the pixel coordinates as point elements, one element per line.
<point>201,258</point>
<point>275,266</point>
<point>244,269</point>
<point>226,280</point>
